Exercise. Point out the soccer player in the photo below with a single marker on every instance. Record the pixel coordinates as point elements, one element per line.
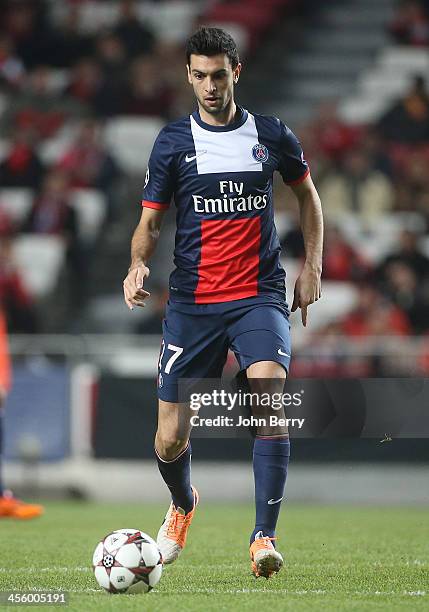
<point>228,289</point>
<point>10,506</point>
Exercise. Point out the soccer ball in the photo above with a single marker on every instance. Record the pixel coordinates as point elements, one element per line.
<point>127,561</point>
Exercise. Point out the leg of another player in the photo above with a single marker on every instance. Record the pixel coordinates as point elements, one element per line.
<point>270,462</point>
<point>1,441</point>
<point>173,452</point>
<point>9,505</point>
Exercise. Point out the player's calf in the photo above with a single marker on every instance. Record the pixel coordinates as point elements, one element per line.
<point>176,473</point>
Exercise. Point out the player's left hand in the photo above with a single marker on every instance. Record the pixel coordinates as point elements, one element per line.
<point>308,289</point>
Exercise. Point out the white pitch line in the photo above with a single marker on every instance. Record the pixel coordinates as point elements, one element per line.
<point>289,592</point>
<point>265,591</point>
<point>191,591</point>
<point>219,566</point>
<point>205,591</point>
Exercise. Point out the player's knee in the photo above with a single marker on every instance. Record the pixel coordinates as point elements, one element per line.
<point>266,370</point>
<point>267,378</point>
<point>168,446</point>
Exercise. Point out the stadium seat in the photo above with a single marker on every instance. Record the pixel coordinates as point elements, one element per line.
<point>386,84</point>
<point>90,206</point>
<point>379,239</point>
<point>388,79</point>
<point>53,149</point>
<point>4,148</point>
<point>283,223</point>
<point>375,248</point>
<point>424,245</point>
<point>361,110</point>
<point>106,310</point>
<point>58,80</point>
<point>412,221</point>
<point>350,226</point>
<point>16,203</point>
<point>3,103</point>
<point>95,16</point>
<point>404,59</point>
<point>256,21</point>
<point>239,34</point>
<point>171,21</point>
<point>39,259</point>
<point>130,141</point>
<point>338,299</point>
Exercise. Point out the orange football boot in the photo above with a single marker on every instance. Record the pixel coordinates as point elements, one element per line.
<point>11,507</point>
<point>266,560</point>
<point>173,532</point>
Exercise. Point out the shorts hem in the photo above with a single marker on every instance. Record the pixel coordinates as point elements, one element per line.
<point>171,396</point>
<point>244,367</point>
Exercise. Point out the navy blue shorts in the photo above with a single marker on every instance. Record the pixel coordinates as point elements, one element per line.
<point>196,339</point>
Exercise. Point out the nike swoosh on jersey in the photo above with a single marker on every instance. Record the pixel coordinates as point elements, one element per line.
<point>190,158</point>
<point>271,501</point>
<point>280,352</point>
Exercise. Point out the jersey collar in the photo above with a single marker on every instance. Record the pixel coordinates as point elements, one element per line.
<point>241,117</point>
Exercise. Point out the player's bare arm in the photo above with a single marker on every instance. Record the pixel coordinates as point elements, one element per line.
<point>143,245</point>
<point>308,288</point>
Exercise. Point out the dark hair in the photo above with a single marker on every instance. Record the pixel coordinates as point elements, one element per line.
<point>212,41</point>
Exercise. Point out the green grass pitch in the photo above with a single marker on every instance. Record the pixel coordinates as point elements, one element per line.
<point>337,558</point>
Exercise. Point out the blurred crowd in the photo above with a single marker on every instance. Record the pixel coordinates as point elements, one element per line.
<point>410,24</point>
<point>375,175</point>
<point>374,184</point>
<point>54,73</point>
<point>54,70</point>
<point>57,77</point>
<point>378,174</point>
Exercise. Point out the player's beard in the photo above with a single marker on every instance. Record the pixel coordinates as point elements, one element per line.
<point>215,109</point>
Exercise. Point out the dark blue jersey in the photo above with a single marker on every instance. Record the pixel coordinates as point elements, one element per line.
<point>221,180</point>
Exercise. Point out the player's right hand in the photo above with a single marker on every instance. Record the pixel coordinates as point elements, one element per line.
<point>134,293</point>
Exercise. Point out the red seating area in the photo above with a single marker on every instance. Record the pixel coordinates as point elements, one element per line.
<point>254,16</point>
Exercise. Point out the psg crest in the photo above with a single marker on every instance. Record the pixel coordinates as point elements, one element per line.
<point>260,153</point>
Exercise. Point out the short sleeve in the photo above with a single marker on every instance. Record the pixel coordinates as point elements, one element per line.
<point>158,186</point>
<point>292,165</point>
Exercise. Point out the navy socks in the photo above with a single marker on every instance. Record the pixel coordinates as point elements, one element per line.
<point>177,477</point>
<point>270,462</point>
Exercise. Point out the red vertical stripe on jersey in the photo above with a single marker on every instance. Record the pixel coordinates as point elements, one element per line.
<point>229,264</point>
